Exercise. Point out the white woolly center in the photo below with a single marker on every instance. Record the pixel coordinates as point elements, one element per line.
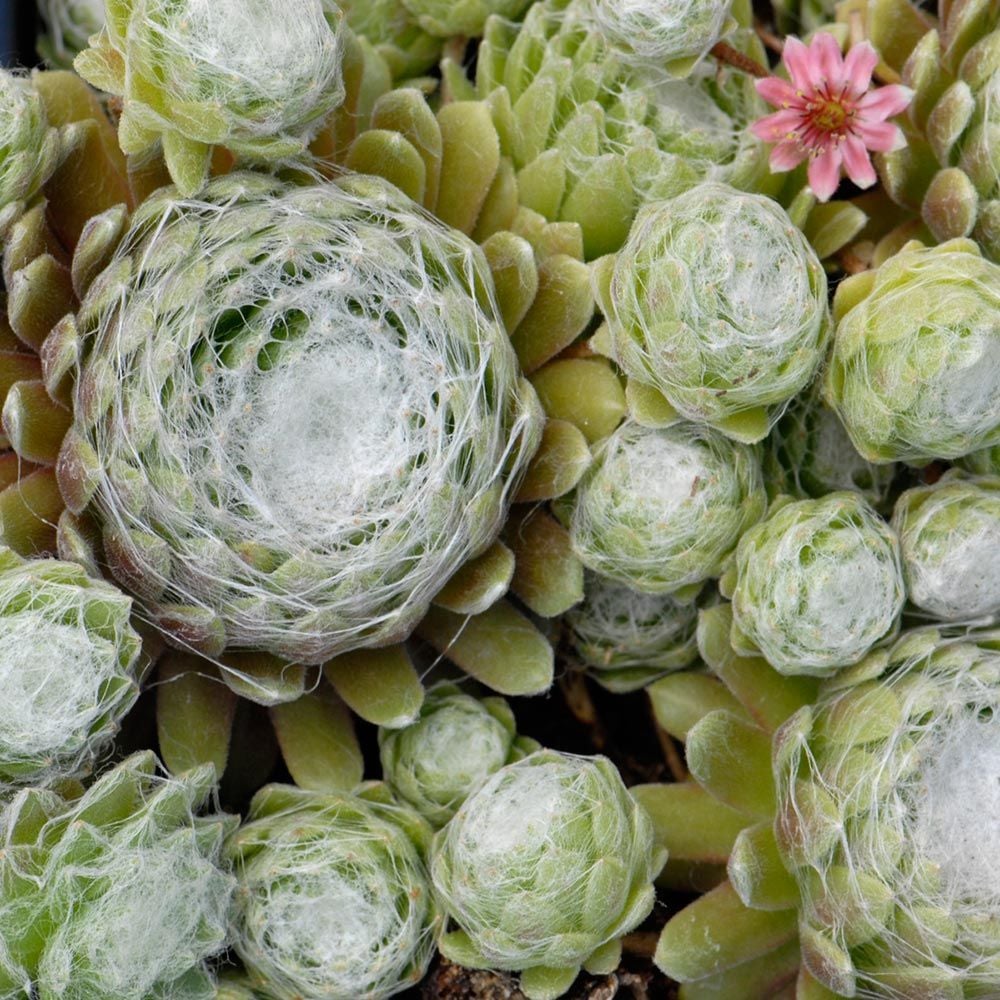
<point>328,436</point>
<point>661,508</point>
<point>664,473</point>
<point>512,820</point>
<point>963,581</point>
<point>160,910</point>
<point>50,678</point>
<point>273,47</point>
<point>330,923</point>
<point>893,807</point>
<point>929,383</point>
<point>957,821</point>
<point>458,748</point>
<point>520,865</point>
<point>834,601</point>
<point>968,390</point>
<point>658,30</point>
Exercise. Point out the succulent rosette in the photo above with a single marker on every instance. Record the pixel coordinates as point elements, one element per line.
<point>950,533</point>
<point>116,893</point>
<point>661,509</point>
<point>52,250</point>
<point>70,24</point>
<point>718,303</point>
<point>593,136</point>
<point>68,668</point>
<point>739,937</point>
<point>257,77</point>
<point>299,414</point>
<point>670,33</point>
<point>333,900</point>
<point>29,146</point>
<point>809,454</point>
<point>887,818</point>
<point>457,743</point>
<point>445,18</point>
<point>626,638</point>
<point>947,173</point>
<point>816,584</point>
<point>914,373</point>
<point>393,31</point>
<point>543,869</point>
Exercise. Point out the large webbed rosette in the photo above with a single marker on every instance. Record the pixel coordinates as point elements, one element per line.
<point>625,638</point>
<point>950,537</point>
<point>255,76</point>
<point>68,668</point>
<point>888,817</point>
<point>543,870</point>
<point>29,146</point>
<point>593,136</point>
<point>70,24</point>
<point>717,303</point>
<point>816,584</point>
<point>659,510</point>
<point>915,368</point>
<point>333,900</point>
<point>117,893</point>
<point>299,414</point>
<point>671,33</point>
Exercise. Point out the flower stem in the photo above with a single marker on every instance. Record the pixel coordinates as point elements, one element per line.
<point>725,53</point>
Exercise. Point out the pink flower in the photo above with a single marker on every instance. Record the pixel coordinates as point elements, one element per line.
<point>829,113</point>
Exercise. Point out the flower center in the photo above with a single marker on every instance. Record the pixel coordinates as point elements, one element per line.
<point>828,115</point>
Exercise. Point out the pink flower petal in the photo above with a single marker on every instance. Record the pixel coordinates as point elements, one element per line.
<point>857,162</point>
<point>798,61</point>
<point>828,63</point>
<point>786,156</point>
<point>779,92</point>
<point>776,127</point>
<point>885,102</point>
<point>859,63</point>
<point>881,137</point>
<point>824,173</point>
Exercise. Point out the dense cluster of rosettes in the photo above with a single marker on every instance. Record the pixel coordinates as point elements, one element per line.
<point>362,361</point>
